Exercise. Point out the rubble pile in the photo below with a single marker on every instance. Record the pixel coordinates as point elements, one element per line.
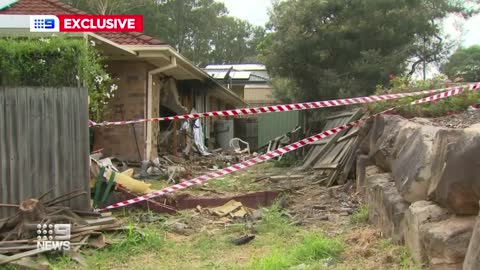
<point>41,225</point>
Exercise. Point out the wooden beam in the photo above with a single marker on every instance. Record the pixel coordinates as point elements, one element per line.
<point>332,166</point>
<point>25,263</point>
<point>321,142</point>
<point>340,115</point>
<point>8,259</point>
<point>348,136</point>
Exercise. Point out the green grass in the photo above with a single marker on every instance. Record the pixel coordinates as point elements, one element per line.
<point>385,244</point>
<point>276,222</point>
<point>236,182</point>
<point>243,182</point>
<point>7,267</point>
<point>124,246</point>
<point>278,245</point>
<point>360,216</point>
<point>207,248</point>
<point>275,260</point>
<point>311,249</point>
<point>406,261</point>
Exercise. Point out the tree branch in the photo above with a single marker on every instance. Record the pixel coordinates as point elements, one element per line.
<point>414,67</point>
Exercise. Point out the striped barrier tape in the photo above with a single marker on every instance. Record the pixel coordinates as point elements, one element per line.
<point>278,108</point>
<point>276,153</point>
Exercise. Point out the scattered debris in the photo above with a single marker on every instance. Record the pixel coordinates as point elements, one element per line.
<point>309,205</point>
<point>284,140</point>
<point>124,179</point>
<point>232,208</point>
<point>180,228</point>
<point>243,240</point>
<point>19,233</point>
<point>253,200</point>
<point>235,143</point>
<point>97,241</point>
<point>277,178</point>
<point>256,215</point>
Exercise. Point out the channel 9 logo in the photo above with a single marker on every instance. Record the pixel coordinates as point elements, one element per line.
<point>44,23</point>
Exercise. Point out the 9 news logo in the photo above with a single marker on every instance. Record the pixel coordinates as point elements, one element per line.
<point>44,23</point>
<point>53,236</point>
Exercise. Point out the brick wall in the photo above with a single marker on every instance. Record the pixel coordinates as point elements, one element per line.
<point>128,103</point>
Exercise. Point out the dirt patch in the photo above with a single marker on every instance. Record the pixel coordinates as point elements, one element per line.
<point>311,203</point>
<point>362,241</point>
<point>461,120</point>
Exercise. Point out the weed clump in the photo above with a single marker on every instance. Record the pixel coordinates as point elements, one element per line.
<point>360,216</point>
<point>274,221</point>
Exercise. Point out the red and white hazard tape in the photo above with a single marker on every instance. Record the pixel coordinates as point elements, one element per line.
<point>276,153</point>
<point>278,108</point>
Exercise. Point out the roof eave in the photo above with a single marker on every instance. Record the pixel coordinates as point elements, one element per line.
<point>160,50</point>
<point>111,43</point>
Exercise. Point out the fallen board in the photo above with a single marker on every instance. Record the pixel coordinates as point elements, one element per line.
<point>7,259</point>
<point>339,154</point>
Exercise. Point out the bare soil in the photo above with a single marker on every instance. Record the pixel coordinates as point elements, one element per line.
<point>460,120</point>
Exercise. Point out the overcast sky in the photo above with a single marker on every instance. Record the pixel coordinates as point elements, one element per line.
<point>256,12</point>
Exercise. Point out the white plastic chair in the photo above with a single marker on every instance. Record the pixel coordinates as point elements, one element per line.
<point>235,144</point>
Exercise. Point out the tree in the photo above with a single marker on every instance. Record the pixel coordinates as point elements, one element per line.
<point>234,41</point>
<point>333,48</point>
<point>106,7</point>
<point>199,29</point>
<point>464,63</point>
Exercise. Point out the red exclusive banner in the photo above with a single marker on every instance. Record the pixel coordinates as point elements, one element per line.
<point>101,23</point>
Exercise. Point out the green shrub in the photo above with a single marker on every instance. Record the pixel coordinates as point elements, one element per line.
<point>56,62</point>
<point>438,108</point>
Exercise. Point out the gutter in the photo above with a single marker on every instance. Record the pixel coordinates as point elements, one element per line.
<point>6,4</point>
<point>173,64</point>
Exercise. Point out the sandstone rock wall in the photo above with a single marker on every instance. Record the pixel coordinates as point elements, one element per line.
<point>423,189</point>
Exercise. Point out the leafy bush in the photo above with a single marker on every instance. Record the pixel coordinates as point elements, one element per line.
<point>56,62</point>
<point>438,108</point>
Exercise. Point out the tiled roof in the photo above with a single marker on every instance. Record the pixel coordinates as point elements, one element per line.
<point>54,7</point>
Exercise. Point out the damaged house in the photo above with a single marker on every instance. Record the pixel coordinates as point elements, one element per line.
<point>153,80</point>
<point>252,82</point>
